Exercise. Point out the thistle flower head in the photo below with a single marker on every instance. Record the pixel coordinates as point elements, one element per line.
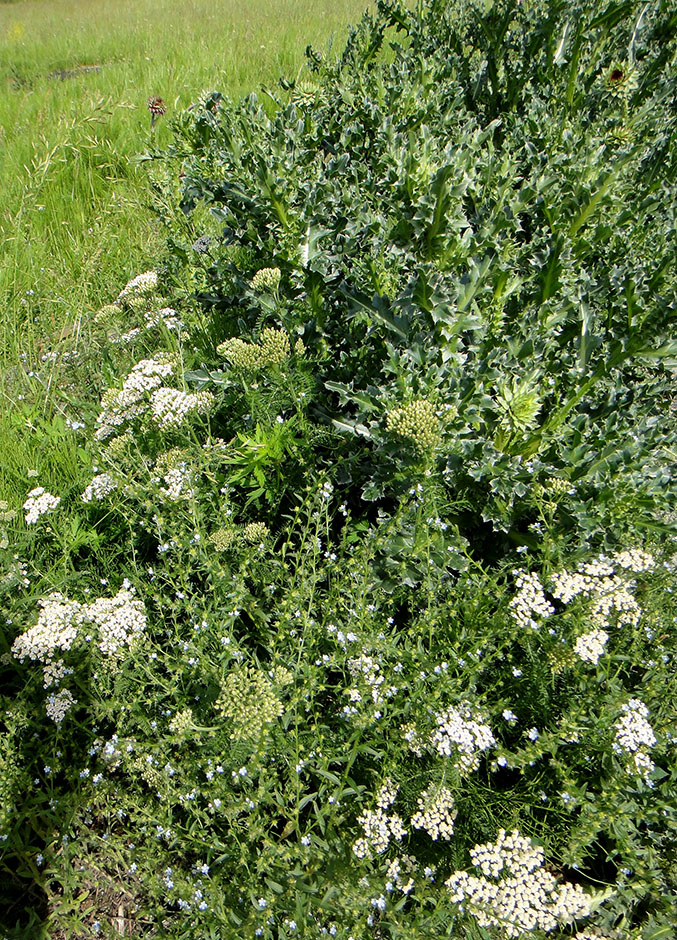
<point>620,80</point>
<point>157,108</point>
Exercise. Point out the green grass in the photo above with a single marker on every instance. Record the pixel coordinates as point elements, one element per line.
<point>75,221</point>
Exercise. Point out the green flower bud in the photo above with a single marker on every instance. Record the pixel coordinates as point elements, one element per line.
<point>222,539</point>
<point>267,279</point>
<point>248,699</point>
<point>416,422</point>
<point>182,722</point>
<point>274,346</point>
<point>255,532</point>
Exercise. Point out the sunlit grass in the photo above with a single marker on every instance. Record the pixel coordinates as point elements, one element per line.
<point>75,221</point>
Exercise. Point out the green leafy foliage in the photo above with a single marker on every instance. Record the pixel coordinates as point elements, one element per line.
<point>460,216</point>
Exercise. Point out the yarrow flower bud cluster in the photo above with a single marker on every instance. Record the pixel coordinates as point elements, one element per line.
<point>417,422</point>
<point>248,698</point>
<point>273,349</point>
<point>530,603</point>
<point>635,737</point>
<point>514,892</point>
<point>436,813</point>
<point>182,722</point>
<point>555,487</point>
<point>100,487</point>
<point>378,825</point>
<point>255,533</point>
<point>266,279</point>
<point>462,732</point>
<point>222,539</point>
<point>38,503</point>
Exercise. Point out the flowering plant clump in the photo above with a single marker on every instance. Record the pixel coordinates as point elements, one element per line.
<point>399,658</point>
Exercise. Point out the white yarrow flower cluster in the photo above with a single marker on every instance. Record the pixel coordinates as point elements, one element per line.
<point>167,316</point>
<point>38,503</point>
<point>590,646</point>
<point>100,487</point>
<point>120,619</point>
<point>55,631</point>
<point>378,825</point>
<point>529,605</point>
<point>58,704</point>
<point>139,286</point>
<point>121,405</point>
<point>436,813</point>
<point>54,672</point>
<point>635,737</point>
<point>462,732</point>
<point>609,592</point>
<point>634,559</point>
<point>178,483</point>
<point>397,869</point>
<point>170,406</point>
<point>514,891</point>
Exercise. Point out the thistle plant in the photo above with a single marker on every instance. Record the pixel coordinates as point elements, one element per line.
<point>157,109</point>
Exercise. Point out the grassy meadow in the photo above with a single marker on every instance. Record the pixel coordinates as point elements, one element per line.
<point>74,217</point>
